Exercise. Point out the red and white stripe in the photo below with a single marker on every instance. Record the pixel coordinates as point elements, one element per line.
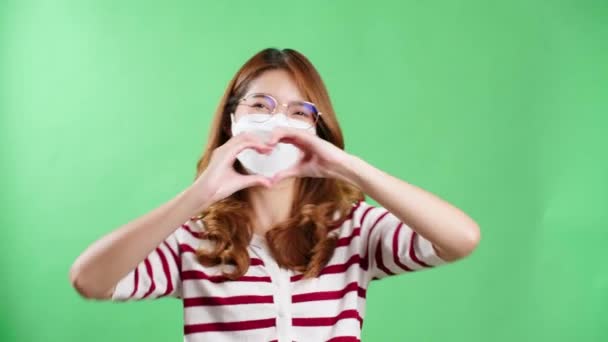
<point>273,304</point>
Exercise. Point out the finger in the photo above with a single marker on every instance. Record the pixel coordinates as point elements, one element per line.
<point>250,137</point>
<point>291,172</point>
<point>256,180</point>
<point>253,144</point>
<point>261,148</point>
<point>291,135</point>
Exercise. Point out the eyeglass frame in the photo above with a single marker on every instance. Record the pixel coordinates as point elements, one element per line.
<point>282,104</point>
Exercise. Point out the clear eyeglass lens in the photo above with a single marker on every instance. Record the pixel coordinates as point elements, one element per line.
<point>302,111</point>
<point>305,112</point>
<point>260,104</point>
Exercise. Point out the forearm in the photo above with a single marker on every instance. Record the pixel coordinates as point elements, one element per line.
<point>453,233</point>
<point>99,268</point>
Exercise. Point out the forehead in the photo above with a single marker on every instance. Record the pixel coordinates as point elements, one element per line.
<point>277,83</point>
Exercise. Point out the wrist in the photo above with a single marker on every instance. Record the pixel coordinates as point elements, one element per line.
<point>352,170</point>
<point>195,199</point>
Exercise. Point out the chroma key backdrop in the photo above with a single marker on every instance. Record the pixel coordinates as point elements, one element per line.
<point>500,107</point>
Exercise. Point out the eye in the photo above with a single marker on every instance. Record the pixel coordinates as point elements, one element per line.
<point>258,105</point>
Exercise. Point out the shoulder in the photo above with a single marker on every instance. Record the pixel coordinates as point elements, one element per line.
<point>362,210</point>
<point>192,233</point>
<point>193,227</point>
<point>354,218</point>
<point>366,215</point>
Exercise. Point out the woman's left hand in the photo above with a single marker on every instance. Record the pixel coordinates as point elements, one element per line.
<point>321,159</point>
<point>450,230</point>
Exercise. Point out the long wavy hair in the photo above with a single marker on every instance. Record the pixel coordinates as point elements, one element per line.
<point>301,243</point>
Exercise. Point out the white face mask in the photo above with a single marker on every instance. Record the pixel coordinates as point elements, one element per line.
<point>282,157</point>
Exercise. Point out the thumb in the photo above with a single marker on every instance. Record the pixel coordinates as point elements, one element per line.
<point>291,172</point>
<point>256,180</point>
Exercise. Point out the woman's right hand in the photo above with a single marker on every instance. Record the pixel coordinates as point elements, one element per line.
<point>220,180</point>
<point>100,267</point>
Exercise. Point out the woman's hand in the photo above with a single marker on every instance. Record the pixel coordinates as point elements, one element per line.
<point>321,159</point>
<point>100,267</point>
<point>453,234</point>
<point>220,179</point>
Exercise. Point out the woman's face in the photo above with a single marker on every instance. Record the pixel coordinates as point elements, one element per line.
<point>276,83</point>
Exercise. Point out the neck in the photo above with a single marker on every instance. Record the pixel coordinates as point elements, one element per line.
<point>271,206</point>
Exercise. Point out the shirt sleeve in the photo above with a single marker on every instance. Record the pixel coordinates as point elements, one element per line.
<point>392,247</point>
<point>158,275</point>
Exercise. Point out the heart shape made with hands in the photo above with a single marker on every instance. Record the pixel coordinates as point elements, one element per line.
<point>282,157</point>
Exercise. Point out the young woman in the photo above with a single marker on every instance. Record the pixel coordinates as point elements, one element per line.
<point>274,240</point>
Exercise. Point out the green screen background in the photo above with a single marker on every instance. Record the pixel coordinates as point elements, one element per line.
<point>498,107</point>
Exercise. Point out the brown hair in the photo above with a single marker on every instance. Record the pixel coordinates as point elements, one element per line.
<point>301,243</point>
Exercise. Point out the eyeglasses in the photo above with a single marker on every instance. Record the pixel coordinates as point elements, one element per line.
<point>303,111</point>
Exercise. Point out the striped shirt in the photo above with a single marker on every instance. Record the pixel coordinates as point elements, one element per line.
<point>271,303</point>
